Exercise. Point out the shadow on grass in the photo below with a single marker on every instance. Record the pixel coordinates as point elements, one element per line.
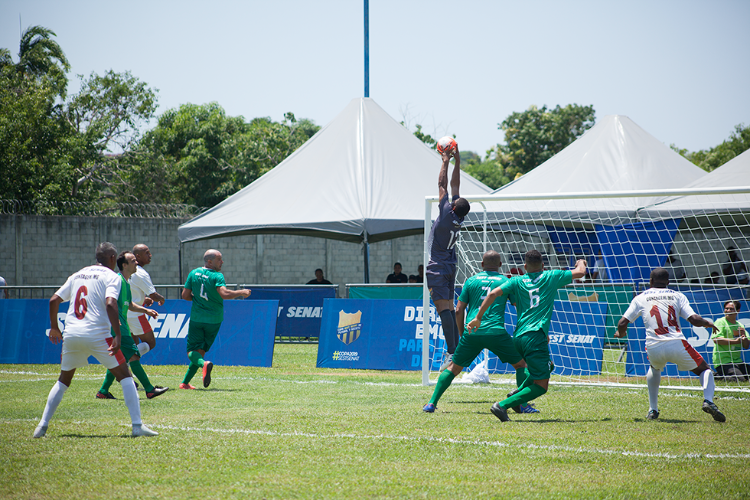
<point>90,436</point>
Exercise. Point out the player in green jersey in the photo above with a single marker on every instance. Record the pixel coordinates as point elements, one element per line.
<point>127,264</point>
<point>491,335</point>
<point>534,293</point>
<point>206,288</point>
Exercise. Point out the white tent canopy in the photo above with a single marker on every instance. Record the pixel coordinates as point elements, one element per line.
<point>614,155</point>
<point>363,177</point>
<point>733,174</point>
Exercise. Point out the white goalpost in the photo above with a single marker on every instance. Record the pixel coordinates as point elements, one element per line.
<point>702,238</point>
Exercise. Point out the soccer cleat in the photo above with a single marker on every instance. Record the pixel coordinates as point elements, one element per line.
<point>713,410</point>
<point>529,408</point>
<point>102,395</point>
<point>500,412</point>
<point>40,431</point>
<point>186,386</point>
<point>447,358</point>
<point>207,367</point>
<point>158,391</point>
<point>652,415</point>
<point>429,408</point>
<point>142,430</point>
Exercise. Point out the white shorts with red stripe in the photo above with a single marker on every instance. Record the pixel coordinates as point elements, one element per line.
<point>139,326</point>
<point>677,351</point>
<point>76,352</point>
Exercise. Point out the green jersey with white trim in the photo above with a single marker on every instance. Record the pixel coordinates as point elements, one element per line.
<point>475,290</point>
<point>208,305</point>
<point>123,302</point>
<point>534,295</point>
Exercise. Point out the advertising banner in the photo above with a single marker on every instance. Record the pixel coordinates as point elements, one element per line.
<point>300,309</point>
<point>388,335</point>
<point>246,337</point>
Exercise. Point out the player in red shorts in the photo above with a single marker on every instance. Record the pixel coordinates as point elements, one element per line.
<point>92,292</point>
<point>661,310</point>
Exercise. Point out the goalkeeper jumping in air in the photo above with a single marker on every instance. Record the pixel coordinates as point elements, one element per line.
<point>534,295</point>
<point>441,269</point>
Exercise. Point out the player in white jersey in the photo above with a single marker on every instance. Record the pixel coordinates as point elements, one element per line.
<point>144,294</point>
<point>661,310</point>
<point>92,293</point>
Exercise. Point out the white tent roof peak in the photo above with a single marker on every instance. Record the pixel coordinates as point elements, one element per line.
<point>362,173</point>
<point>614,155</point>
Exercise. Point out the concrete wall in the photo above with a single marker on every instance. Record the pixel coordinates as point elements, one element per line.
<point>45,250</point>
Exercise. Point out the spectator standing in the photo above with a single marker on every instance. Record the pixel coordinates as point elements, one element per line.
<point>729,340</point>
<point>397,276</point>
<point>319,279</point>
<point>735,271</point>
<point>420,274</point>
<point>674,268</point>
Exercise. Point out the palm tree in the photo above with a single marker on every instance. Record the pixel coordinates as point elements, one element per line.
<point>39,57</point>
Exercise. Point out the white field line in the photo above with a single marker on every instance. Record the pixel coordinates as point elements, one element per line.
<point>497,444</point>
<point>608,387</point>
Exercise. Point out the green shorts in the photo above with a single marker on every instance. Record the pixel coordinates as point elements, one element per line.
<point>470,345</point>
<point>201,336</point>
<point>534,347</point>
<point>128,347</point>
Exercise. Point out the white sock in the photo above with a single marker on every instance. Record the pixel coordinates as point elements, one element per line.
<point>653,379</point>
<point>707,382</point>
<point>53,401</point>
<point>143,348</point>
<point>130,395</point>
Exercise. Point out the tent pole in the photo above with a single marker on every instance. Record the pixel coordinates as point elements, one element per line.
<point>179,261</point>
<point>366,251</point>
<point>367,49</point>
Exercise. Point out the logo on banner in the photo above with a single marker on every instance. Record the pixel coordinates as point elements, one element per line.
<point>350,326</point>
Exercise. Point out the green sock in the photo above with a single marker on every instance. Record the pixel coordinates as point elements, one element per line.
<point>137,369</point>
<point>443,382</point>
<point>523,378</point>
<point>523,396</point>
<point>109,379</point>
<point>191,371</point>
<point>195,358</point>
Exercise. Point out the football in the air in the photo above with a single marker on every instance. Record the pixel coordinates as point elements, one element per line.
<point>446,144</point>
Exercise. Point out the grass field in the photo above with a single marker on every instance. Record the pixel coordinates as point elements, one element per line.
<point>296,431</point>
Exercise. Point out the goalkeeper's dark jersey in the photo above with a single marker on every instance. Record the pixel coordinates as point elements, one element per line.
<point>443,237</point>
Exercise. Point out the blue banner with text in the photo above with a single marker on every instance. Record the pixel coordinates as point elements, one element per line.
<point>246,337</point>
<point>300,309</point>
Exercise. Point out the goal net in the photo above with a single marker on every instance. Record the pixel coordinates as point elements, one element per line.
<point>702,238</point>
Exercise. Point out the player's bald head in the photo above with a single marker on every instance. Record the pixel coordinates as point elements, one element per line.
<point>140,249</point>
<point>491,260</point>
<point>659,278</point>
<point>211,255</point>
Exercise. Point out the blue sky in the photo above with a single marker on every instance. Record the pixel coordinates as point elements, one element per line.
<point>679,69</point>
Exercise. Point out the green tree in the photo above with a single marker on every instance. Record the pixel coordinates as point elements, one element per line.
<point>709,160</point>
<point>35,146</point>
<point>537,134</point>
<point>198,155</point>
<point>106,116</point>
<point>40,57</point>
